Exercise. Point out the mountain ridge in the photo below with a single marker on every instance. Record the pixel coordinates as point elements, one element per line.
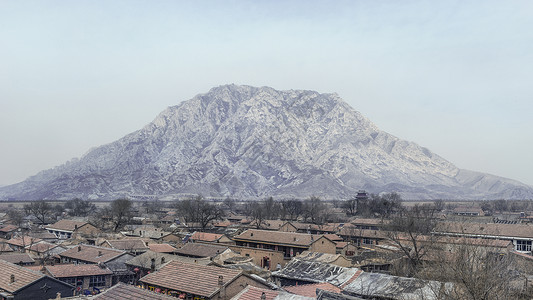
<point>249,142</point>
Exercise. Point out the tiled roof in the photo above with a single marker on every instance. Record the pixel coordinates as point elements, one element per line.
<point>145,260</point>
<point>309,290</point>
<point>123,291</point>
<point>128,244</point>
<point>254,293</point>
<point>92,254</point>
<point>23,241</point>
<point>350,230</point>
<point>201,250</point>
<point>161,248</point>
<point>16,258</point>
<point>42,247</point>
<point>310,226</point>
<point>314,271</point>
<point>67,225</point>
<point>278,237</point>
<point>333,237</point>
<point>341,245</point>
<point>4,247</point>
<point>205,236</point>
<point>23,276</point>
<point>8,228</point>
<point>491,229</point>
<point>62,271</point>
<point>363,221</point>
<point>191,278</point>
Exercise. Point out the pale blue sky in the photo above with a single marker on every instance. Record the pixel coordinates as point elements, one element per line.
<point>453,76</point>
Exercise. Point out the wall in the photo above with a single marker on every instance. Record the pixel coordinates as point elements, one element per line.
<point>257,254</point>
<point>323,245</point>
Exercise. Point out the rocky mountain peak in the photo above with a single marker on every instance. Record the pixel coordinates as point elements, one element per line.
<point>252,142</point>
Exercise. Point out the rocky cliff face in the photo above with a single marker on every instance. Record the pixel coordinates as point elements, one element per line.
<point>249,142</point>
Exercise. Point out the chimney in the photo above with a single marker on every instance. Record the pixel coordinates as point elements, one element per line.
<point>152,265</point>
<point>263,296</point>
<point>99,253</point>
<point>162,260</point>
<point>79,248</point>
<point>12,278</point>
<point>75,227</point>
<point>222,293</point>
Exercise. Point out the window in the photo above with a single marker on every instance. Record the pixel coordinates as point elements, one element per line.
<point>97,280</point>
<point>367,241</point>
<point>523,245</point>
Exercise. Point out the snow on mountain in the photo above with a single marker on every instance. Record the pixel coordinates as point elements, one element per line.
<point>248,142</point>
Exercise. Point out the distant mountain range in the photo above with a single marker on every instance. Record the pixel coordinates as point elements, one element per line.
<point>248,142</point>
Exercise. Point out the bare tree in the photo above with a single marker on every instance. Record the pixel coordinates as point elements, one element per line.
<point>120,213</point>
<point>315,211</point>
<point>411,231</point>
<point>41,210</point>
<point>255,211</point>
<point>79,207</point>
<point>198,210</point>
<point>478,274</point>
<point>293,208</point>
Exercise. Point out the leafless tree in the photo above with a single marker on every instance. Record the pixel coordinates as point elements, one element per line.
<point>198,210</point>
<point>120,213</point>
<point>41,210</point>
<point>293,208</point>
<point>411,231</point>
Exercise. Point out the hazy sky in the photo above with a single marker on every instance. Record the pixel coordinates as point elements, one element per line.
<point>453,76</point>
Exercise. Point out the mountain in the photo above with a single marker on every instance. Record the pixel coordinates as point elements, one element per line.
<point>248,142</point>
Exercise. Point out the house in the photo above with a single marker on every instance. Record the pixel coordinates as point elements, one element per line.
<point>83,277</point>
<point>123,291</point>
<point>308,228</point>
<point>369,223</point>
<point>200,250</point>
<point>198,281</point>
<point>385,287</point>
<point>299,271</point>
<point>113,259</point>
<point>468,211</point>
<point>265,258</point>
<point>152,261</point>
<point>310,290</point>
<point>520,235</point>
<point>44,251</point>
<point>65,229</point>
<point>7,231</point>
<point>255,293</point>
<point>362,237</point>
<point>333,259</point>
<point>20,283</point>
<point>162,248</point>
<point>130,245</point>
<point>199,236</point>
<point>290,243</point>
<point>21,259</point>
<point>21,243</point>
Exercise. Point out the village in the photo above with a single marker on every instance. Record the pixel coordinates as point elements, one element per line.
<point>368,247</point>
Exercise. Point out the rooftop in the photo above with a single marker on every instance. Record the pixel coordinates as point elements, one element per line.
<point>92,253</point>
<point>22,276</point>
<point>123,291</point>
<point>200,250</point>
<point>278,237</point>
<point>66,225</point>
<point>70,270</point>
<point>205,236</point>
<point>191,278</point>
<point>161,248</point>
